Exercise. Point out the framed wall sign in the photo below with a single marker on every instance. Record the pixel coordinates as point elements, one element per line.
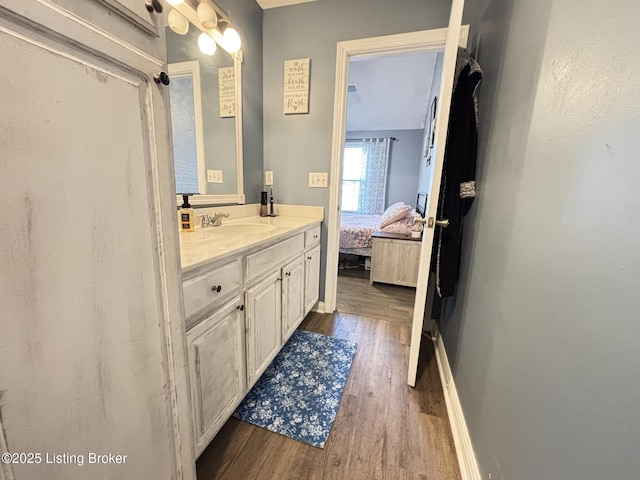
<point>430,136</point>
<point>296,86</point>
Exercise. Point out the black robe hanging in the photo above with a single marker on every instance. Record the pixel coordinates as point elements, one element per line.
<point>457,189</point>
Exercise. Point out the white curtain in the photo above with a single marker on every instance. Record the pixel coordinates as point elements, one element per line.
<point>373,189</point>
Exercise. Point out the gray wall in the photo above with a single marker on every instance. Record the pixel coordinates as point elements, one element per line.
<point>295,145</point>
<point>247,16</point>
<point>543,339</point>
<point>404,163</point>
<point>426,171</point>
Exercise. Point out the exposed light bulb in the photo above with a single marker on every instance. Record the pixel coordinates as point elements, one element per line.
<point>177,22</point>
<point>231,39</point>
<point>206,44</point>
<point>175,2</point>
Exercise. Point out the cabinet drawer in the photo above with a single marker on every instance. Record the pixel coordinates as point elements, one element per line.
<point>206,289</point>
<point>273,257</point>
<point>312,236</point>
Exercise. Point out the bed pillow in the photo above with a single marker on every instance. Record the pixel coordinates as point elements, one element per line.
<point>402,226</point>
<point>395,212</point>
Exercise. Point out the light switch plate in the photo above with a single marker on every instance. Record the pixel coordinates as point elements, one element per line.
<point>214,176</point>
<point>318,179</point>
<point>268,177</point>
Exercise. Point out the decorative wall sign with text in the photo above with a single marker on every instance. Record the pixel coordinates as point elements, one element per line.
<point>227,91</point>
<point>296,86</point>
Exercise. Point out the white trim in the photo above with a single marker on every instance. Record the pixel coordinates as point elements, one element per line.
<point>319,308</point>
<point>404,42</point>
<point>464,448</point>
<point>237,63</point>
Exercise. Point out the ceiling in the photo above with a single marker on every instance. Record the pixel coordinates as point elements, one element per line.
<point>279,3</point>
<point>392,92</point>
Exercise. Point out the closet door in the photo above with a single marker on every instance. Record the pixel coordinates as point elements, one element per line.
<point>91,337</point>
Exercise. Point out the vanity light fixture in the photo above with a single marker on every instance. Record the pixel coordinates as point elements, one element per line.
<point>213,23</point>
<point>175,2</point>
<point>177,22</point>
<point>206,44</point>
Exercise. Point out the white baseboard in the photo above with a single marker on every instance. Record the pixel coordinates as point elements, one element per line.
<point>319,307</point>
<point>464,449</point>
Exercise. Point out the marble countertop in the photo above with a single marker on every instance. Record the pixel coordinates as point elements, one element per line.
<point>208,244</point>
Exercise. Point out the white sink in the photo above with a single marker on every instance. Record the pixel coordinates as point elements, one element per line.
<point>243,228</point>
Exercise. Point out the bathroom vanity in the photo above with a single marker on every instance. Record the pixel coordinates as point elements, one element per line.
<point>247,285</point>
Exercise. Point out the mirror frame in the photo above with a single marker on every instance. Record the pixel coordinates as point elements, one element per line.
<point>226,198</point>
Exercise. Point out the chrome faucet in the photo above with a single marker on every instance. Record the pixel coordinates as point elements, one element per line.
<point>206,220</point>
<point>216,220</point>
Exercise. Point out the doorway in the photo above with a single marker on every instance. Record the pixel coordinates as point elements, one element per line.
<point>385,165</point>
<point>452,37</point>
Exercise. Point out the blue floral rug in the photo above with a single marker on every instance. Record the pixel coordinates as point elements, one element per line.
<point>299,393</point>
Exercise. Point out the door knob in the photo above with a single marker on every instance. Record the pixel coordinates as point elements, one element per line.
<point>161,77</point>
<point>440,223</point>
<point>153,5</point>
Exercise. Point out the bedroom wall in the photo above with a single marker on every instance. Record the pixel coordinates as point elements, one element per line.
<point>295,145</point>
<point>426,171</point>
<point>543,340</point>
<point>404,163</point>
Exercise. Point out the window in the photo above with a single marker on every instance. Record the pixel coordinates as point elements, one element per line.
<point>352,177</point>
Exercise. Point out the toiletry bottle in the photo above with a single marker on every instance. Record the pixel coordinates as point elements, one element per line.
<point>186,215</point>
<point>263,204</point>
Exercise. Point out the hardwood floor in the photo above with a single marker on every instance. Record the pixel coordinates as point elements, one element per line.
<point>384,428</point>
<point>380,300</point>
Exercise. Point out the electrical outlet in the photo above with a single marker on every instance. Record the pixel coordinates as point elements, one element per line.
<point>318,179</point>
<point>214,176</point>
<point>268,177</point>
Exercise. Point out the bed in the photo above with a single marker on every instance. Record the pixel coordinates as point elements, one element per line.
<point>356,229</point>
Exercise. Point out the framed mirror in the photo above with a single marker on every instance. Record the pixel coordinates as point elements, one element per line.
<point>206,118</point>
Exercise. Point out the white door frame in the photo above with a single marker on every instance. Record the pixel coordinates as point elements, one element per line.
<point>375,46</point>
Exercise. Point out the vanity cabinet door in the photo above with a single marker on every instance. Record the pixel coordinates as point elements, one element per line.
<point>263,309</point>
<point>292,297</point>
<point>216,364</point>
<point>311,278</point>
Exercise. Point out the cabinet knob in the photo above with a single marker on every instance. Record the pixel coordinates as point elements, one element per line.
<point>216,288</point>
<point>240,307</point>
<point>153,5</point>
<point>162,78</point>
<point>308,258</point>
<point>315,236</point>
<point>279,279</point>
<point>288,274</point>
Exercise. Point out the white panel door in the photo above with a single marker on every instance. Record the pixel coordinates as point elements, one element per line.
<point>216,363</point>
<point>442,120</point>
<point>264,325</point>
<point>91,336</point>
<point>292,297</point>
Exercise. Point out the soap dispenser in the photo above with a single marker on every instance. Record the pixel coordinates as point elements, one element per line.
<point>186,215</point>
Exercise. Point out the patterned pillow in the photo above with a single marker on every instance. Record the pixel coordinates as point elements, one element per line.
<point>402,226</point>
<point>395,212</point>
